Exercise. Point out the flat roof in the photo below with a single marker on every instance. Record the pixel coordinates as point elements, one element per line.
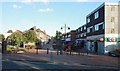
<point>105,3</point>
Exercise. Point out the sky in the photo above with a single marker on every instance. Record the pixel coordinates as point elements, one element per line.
<point>46,15</point>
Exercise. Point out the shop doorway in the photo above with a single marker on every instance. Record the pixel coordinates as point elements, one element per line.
<point>96,46</point>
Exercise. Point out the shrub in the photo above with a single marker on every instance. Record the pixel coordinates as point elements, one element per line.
<point>14,49</point>
<point>22,49</point>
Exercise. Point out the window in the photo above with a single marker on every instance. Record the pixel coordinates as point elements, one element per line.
<point>81,35</point>
<point>93,29</point>
<point>81,28</point>
<point>112,19</point>
<point>96,15</point>
<point>88,30</point>
<point>112,8</point>
<point>103,25</point>
<point>84,27</point>
<point>96,28</point>
<point>100,26</point>
<point>84,34</point>
<point>88,20</point>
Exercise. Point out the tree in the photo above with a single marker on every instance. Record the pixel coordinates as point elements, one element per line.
<point>31,36</point>
<point>1,37</point>
<point>17,38</point>
<point>58,34</point>
<point>10,31</point>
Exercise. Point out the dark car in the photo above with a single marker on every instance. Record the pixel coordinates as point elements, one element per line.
<point>115,53</point>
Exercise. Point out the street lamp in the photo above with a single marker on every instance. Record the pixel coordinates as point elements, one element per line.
<point>65,28</point>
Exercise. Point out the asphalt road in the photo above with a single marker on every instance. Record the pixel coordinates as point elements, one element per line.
<point>41,61</point>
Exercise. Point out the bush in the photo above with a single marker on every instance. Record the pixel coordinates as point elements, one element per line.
<point>22,49</point>
<point>14,49</point>
<point>10,49</point>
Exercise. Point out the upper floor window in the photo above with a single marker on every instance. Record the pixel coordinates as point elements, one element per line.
<point>112,8</point>
<point>103,26</point>
<point>93,29</point>
<point>96,15</point>
<point>84,34</point>
<point>81,28</point>
<point>88,19</point>
<point>81,35</point>
<point>112,19</point>
<point>84,27</point>
<point>96,28</point>
<point>88,30</point>
<point>99,26</point>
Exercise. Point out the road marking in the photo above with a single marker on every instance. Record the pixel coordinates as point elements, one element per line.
<point>26,64</point>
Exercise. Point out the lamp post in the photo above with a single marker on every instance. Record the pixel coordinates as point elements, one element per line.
<point>65,28</point>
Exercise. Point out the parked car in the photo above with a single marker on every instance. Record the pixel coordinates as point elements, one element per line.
<point>115,53</point>
<point>19,52</point>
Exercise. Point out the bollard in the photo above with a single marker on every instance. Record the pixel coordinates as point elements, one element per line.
<point>61,52</point>
<point>57,52</point>
<point>47,51</point>
<point>51,55</point>
<point>36,51</point>
<point>70,51</point>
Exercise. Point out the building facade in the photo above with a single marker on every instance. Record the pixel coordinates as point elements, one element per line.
<point>102,28</point>
<point>81,36</point>
<point>41,35</point>
<point>69,38</point>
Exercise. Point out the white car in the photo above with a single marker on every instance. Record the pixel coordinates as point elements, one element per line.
<point>20,51</point>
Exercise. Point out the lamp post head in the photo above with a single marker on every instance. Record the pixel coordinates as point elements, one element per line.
<point>61,28</point>
<point>68,28</point>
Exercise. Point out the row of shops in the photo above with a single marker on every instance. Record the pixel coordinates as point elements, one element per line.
<point>100,33</point>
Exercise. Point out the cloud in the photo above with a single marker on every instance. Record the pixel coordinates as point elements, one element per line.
<point>31,1</point>
<point>82,0</point>
<point>45,1</point>
<point>16,6</point>
<point>27,1</point>
<point>45,10</point>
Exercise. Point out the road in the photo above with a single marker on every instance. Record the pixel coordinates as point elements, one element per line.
<point>31,61</point>
<point>41,61</point>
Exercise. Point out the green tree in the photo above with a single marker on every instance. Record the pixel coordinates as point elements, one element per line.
<point>10,31</point>
<point>17,37</point>
<point>31,36</point>
<point>58,34</point>
<point>1,37</point>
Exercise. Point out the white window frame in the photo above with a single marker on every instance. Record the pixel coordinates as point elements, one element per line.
<point>81,28</point>
<point>84,34</point>
<point>88,19</point>
<point>96,15</point>
<point>88,30</point>
<point>84,27</point>
<point>96,27</point>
